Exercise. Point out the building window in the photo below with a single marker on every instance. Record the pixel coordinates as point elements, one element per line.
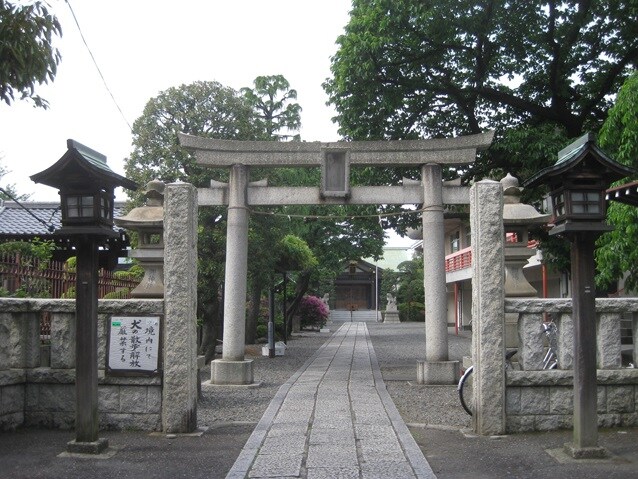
<point>455,241</point>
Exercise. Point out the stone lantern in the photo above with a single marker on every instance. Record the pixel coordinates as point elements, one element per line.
<point>518,219</point>
<point>578,183</point>
<point>86,185</point>
<point>148,222</point>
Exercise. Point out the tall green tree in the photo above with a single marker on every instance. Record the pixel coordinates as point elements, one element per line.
<point>272,100</point>
<point>539,72</point>
<point>279,118</point>
<point>206,109</point>
<point>27,54</point>
<point>617,255</point>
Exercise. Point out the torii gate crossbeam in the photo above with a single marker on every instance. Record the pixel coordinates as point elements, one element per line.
<point>239,195</point>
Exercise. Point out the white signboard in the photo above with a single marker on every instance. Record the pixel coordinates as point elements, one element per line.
<point>134,343</point>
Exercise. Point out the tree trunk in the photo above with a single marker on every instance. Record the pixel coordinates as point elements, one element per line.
<point>253,311</point>
<point>211,327</point>
<point>302,287</point>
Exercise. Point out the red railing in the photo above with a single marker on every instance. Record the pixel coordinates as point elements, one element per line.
<point>460,260</point>
<point>463,258</point>
<point>54,280</point>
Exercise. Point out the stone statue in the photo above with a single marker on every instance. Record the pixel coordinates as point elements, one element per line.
<point>392,303</point>
<point>325,300</point>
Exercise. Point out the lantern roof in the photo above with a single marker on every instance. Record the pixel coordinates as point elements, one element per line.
<point>582,150</point>
<point>81,165</point>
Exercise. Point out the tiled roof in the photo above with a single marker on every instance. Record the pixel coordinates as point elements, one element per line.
<point>16,221</point>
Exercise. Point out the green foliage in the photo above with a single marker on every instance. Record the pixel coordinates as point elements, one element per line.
<point>71,264</point>
<point>69,294</point>
<point>538,73</point>
<point>271,101</point>
<point>617,254</point>
<point>27,55</point>
<point>410,294</point>
<point>120,293</point>
<point>295,254</point>
<point>31,255</point>
<point>32,252</point>
<point>262,331</point>
<point>204,108</point>
<point>407,69</point>
<point>135,272</point>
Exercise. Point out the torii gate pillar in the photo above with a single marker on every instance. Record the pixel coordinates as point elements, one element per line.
<point>232,368</point>
<point>436,369</point>
<point>239,155</point>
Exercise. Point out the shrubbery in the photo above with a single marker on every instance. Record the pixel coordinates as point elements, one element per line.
<point>312,312</point>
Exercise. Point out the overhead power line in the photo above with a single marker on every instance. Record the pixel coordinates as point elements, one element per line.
<point>50,228</point>
<point>97,67</point>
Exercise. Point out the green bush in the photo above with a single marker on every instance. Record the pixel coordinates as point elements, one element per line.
<point>262,331</point>
<point>411,311</point>
<point>121,293</point>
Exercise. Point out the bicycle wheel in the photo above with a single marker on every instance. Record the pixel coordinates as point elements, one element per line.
<point>464,389</point>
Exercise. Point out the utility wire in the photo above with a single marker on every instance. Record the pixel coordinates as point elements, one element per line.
<point>336,217</point>
<point>97,67</point>
<point>49,226</point>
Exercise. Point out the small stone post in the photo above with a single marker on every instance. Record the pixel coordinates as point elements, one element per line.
<point>488,307</point>
<point>179,396</point>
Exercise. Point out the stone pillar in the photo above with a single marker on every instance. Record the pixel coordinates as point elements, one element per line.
<point>232,368</point>
<point>436,369</point>
<point>179,396</point>
<point>531,351</point>
<point>608,344</point>
<point>565,326</point>
<point>488,307</point>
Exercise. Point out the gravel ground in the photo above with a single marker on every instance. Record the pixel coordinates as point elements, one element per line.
<point>397,348</point>
<point>224,404</point>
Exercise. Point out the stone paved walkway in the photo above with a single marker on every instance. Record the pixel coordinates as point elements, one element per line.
<point>333,419</point>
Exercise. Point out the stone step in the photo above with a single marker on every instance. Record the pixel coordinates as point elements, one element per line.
<point>339,315</point>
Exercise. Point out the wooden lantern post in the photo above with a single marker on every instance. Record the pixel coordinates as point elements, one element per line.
<point>577,184</point>
<point>86,186</point>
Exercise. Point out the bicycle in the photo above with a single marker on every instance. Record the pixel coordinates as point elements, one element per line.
<point>550,361</point>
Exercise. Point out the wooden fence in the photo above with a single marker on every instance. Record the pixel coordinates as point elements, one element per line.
<point>30,278</point>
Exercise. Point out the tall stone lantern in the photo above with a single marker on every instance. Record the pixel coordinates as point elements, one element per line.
<point>148,222</point>
<point>518,219</point>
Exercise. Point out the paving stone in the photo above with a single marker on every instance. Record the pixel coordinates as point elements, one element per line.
<point>386,470</point>
<point>333,473</point>
<point>276,466</point>
<point>334,405</point>
<point>333,456</point>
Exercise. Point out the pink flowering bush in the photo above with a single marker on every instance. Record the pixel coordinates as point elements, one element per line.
<point>312,312</point>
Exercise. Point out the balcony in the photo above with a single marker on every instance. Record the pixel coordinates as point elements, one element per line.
<point>462,259</point>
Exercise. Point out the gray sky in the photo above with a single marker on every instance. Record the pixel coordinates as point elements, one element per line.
<point>145,46</point>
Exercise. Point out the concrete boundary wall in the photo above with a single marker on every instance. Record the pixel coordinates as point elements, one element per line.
<point>542,400</point>
<point>530,398</point>
<point>37,378</point>
<point>35,395</point>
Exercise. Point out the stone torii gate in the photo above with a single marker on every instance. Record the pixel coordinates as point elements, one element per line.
<point>335,160</point>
